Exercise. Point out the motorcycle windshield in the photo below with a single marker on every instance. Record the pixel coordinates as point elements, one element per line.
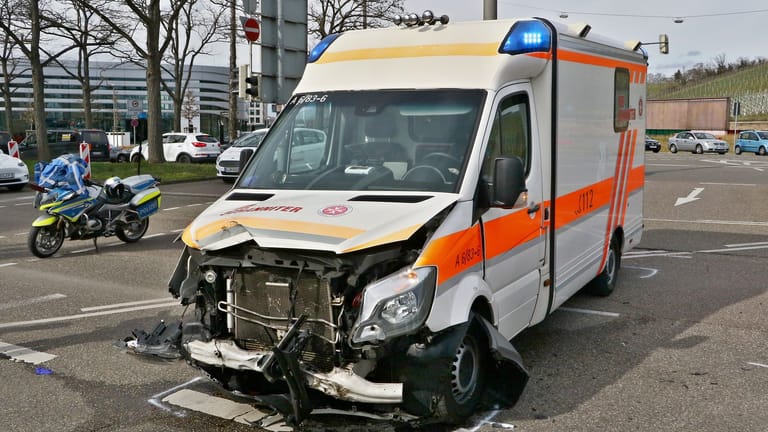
<point>393,140</point>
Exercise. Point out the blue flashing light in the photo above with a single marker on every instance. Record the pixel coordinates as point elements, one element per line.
<point>320,48</point>
<point>527,37</point>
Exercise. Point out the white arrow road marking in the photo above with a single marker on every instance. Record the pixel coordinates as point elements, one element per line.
<point>690,198</point>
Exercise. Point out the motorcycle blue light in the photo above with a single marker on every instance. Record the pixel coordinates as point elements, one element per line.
<point>320,48</point>
<point>527,37</point>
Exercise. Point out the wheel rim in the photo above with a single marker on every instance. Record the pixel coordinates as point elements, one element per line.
<point>673,148</point>
<point>48,240</point>
<point>762,151</point>
<point>737,150</point>
<point>610,265</point>
<point>465,370</point>
<point>699,150</point>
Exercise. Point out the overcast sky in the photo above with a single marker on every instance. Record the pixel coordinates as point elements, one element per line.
<point>709,27</point>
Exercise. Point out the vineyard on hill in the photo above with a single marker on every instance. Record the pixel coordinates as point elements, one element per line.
<point>747,85</point>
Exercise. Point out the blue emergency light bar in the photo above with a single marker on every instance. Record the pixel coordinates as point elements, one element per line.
<point>320,48</point>
<point>527,37</point>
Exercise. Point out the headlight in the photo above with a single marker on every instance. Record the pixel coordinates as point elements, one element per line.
<point>395,305</point>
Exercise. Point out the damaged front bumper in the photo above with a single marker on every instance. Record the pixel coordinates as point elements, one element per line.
<point>341,383</point>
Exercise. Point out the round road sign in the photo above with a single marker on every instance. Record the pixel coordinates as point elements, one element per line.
<point>134,123</point>
<point>252,30</point>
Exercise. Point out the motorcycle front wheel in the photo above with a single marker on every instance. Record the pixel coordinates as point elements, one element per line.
<point>46,240</point>
<point>132,231</point>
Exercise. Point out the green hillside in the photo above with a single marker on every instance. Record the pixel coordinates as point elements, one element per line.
<point>747,85</point>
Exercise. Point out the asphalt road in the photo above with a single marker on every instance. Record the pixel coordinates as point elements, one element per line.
<point>681,345</point>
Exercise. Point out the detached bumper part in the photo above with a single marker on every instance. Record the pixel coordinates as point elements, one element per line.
<point>339,383</point>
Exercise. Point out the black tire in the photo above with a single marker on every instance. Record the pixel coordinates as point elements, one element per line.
<point>672,148</point>
<point>604,283</point>
<point>122,158</point>
<point>761,151</point>
<point>699,149</point>
<point>465,381</point>
<point>133,231</point>
<point>656,150</point>
<point>45,241</point>
<point>228,179</point>
<point>737,150</point>
<point>135,158</point>
<point>184,158</point>
<point>17,187</point>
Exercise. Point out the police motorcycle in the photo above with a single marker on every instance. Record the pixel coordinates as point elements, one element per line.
<point>79,209</point>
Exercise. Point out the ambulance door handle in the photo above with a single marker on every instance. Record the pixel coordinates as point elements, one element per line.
<point>533,208</point>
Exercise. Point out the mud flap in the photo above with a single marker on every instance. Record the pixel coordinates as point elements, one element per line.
<point>511,376</point>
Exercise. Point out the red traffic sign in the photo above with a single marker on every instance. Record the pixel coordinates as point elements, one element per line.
<point>252,29</point>
<point>134,123</point>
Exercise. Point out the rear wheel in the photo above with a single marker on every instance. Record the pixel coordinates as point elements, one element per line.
<point>604,283</point>
<point>737,150</point>
<point>184,158</point>
<point>46,240</point>
<point>133,231</point>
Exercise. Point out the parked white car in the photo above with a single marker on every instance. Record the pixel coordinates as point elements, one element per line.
<point>14,174</point>
<point>228,162</point>
<point>184,147</point>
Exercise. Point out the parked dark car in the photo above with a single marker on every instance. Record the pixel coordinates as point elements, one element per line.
<point>652,144</point>
<point>4,138</point>
<point>63,141</point>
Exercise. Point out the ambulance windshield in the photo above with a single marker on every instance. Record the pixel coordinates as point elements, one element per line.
<point>402,140</point>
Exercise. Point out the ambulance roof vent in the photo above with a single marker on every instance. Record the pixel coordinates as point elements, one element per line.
<point>427,17</point>
<point>527,37</point>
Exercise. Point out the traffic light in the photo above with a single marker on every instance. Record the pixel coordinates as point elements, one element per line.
<point>253,86</point>
<point>664,44</point>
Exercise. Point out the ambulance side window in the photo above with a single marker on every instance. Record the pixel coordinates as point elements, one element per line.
<point>510,134</point>
<point>621,100</point>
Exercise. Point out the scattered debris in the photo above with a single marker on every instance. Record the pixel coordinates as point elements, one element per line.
<point>163,342</point>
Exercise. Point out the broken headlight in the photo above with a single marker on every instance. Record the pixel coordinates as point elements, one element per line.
<point>395,305</point>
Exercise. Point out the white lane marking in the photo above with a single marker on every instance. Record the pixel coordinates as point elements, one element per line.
<point>487,420</point>
<point>712,222</point>
<point>21,204</point>
<point>85,315</point>
<point>686,255</point>
<point>758,364</point>
<point>27,302</point>
<point>8,264</point>
<point>731,249</point>
<point>171,208</point>
<point>226,409</point>
<point>746,244</point>
<point>692,196</point>
<point>154,235</point>
<point>651,272</point>
<point>155,400</point>
<point>178,230</point>
<point>672,165</point>
<point>2,206</point>
<point>82,250</point>
<point>590,312</point>
<point>21,234</point>
<point>18,199</point>
<point>728,184</point>
<point>2,236</point>
<point>26,355</point>
<point>119,305</point>
<point>194,205</point>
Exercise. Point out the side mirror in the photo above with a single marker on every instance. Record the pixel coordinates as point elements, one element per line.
<point>245,156</point>
<point>508,181</point>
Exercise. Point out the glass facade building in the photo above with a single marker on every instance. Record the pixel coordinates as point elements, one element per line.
<point>119,94</point>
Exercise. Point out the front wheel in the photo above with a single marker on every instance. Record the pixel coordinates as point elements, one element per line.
<point>46,240</point>
<point>699,149</point>
<point>460,393</point>
<point>761,151</point>
<point>132,231</point>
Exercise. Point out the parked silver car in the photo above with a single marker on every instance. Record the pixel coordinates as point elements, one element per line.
<point>697,142</point>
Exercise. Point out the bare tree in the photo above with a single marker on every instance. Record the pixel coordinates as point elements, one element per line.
<point>90,36</point>
<point>23,21</point>
<point>200,24</point>
<point>190,109</point>
<point>10,69</point>
<point>157,20</point>
<point>335,16</point>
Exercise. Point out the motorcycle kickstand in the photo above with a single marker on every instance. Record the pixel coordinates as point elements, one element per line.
<point>95,246</point>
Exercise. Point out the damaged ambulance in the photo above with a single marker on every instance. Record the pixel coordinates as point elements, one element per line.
<point>430,191</point>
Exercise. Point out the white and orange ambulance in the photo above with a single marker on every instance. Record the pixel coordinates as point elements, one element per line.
<point>430,191</point>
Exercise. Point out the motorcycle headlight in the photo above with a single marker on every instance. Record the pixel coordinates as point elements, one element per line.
<point>395,305</point>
